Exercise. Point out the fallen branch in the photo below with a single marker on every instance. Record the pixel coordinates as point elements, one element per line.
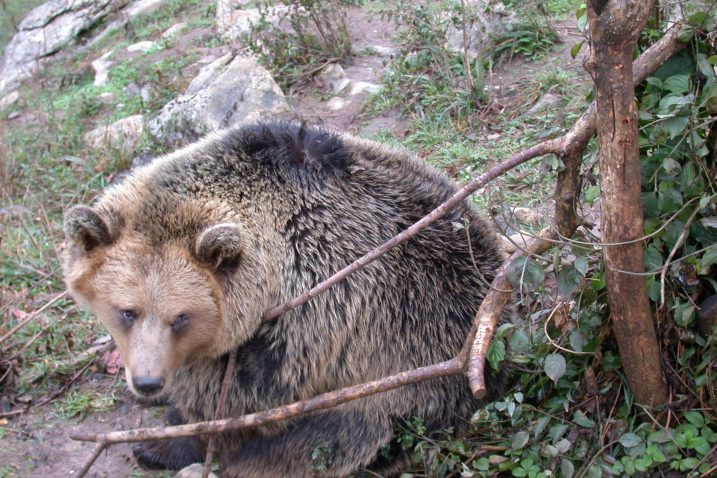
<point>454,366</point>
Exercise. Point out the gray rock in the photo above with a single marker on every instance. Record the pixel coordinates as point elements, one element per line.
<point>125,15</point>
<point>47,29</point>
<point>107,98</point>
<point>234,20</point>
<point>174,30</point>
<point>13,115</point>
<point>493,20</point>
<point>546,102</point>
<point>336,103</point>
<point>224,93</point>
<point>143,46</point>
<point>122,135</point>
<point>102,67</point>
<point>333,78</point>
<point>8,100</point>
<point>193,471</point>
<point>358,87</point>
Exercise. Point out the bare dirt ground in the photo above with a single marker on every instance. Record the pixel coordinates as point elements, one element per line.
<point>36,443</point>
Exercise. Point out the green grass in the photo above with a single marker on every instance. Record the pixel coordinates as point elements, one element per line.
<point>81,404</point>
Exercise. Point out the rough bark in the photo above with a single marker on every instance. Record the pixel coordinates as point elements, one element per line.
<point>614,29</point>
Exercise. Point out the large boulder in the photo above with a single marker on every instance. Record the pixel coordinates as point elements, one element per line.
<point>47,29</point>
<point>235,18</point>
<point>225,92</point>
<point>491,20</point>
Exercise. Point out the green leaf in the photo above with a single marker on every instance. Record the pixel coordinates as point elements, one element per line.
<point>676,125</point>
<point>566,468</point>
<point>592,193</point>
<point>518,341</point>
<point>525,270</point>
<point>653,258</point>
<point>695,418</point>
<point>576,49</point>
<point>581,265</point>
<point>677,83</point>
<point>520,439</point>
<point>555,367</point>
<point>709,257</point>
<point>496,354</point>
<point>577,341</point>
<point>669,200</point>
<point>580,419</point>
<point>629,440</point>
<point>568,280</point>
<point>712,60</point>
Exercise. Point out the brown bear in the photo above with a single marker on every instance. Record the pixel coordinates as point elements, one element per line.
<point>181,259</point>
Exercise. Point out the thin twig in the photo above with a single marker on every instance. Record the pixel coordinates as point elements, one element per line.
<point>228,379</point>
<point>552,342</point>
<point>95,454</point>
<point>32,316</point>
<point>678,244</point>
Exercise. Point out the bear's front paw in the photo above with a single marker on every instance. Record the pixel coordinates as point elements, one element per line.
<point>172,454</point>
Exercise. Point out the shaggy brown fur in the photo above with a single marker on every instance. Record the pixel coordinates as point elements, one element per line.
<point>180,260</point>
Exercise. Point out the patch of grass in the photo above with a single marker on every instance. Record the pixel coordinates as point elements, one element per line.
<point>7,471</point>
<point>81,404</point>
<point>314,33</point>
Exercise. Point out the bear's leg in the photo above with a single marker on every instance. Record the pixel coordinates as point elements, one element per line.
<point>333,443</point>
<point>172,454</point>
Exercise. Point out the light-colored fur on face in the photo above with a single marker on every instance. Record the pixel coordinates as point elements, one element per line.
<point>159,285</point>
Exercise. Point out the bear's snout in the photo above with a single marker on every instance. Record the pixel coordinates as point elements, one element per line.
<point>148,386</point>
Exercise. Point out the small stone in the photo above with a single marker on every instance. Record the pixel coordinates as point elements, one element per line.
<point>384,50</point>
<point>193,471</point>
<point>174,29</point>
<point>546,102</point>
<point>143,46</point>
<point>336,103</point>
<point>106,98</point>
<point>9,100</point>
<point>493,137</point>
<point>13,115</point>
<point>526,216</point>
<point>5,405</point>
<point>333,78</point>
<point>102,67</point>
<point>359,87</point>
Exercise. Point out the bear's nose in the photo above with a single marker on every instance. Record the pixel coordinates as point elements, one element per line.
<point>148,385</point>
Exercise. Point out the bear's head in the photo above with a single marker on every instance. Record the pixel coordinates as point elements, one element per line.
<point>164,301</point>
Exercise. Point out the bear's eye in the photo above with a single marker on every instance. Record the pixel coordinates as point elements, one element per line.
<point>128,316</point>
<point>180,321</point>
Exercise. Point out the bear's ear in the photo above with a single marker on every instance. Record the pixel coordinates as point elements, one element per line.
<point>86,228</point>
<point>220,245</point>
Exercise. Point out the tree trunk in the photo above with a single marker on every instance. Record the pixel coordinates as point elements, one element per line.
<point>614,28</point>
